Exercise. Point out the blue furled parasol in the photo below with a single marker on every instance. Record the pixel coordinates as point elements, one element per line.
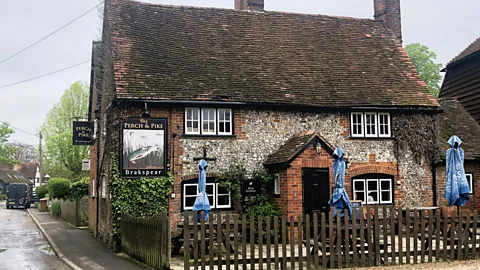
<point>456,190</point>
<point>339,199</point>
<point>201,202</point>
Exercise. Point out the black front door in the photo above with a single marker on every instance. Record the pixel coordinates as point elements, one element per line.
<point>316,191</point>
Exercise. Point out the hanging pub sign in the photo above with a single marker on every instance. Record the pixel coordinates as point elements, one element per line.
<point>252,188</point>
<point>82,133</point>
<point>144,147</point>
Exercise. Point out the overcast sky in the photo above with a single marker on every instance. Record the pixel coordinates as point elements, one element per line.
<point>445,26</point>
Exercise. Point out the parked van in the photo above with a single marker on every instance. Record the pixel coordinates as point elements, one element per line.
<point>18,195</point>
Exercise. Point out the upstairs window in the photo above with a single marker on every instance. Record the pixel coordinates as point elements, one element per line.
<point>370,125</point>
<point>208,121</point>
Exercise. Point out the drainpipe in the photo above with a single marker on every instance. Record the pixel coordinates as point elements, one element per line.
<point>434,183</point>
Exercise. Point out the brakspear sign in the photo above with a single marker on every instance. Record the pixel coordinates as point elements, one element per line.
<point>144,147</point>
<point>82,133</point>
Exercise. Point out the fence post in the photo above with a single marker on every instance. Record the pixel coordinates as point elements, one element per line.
<point>186,243</point>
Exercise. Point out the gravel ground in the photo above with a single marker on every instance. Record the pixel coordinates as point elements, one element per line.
<point>458,265</point>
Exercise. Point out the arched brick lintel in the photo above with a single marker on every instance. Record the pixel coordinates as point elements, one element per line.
<point>390,169</point>
<point>195,176</point>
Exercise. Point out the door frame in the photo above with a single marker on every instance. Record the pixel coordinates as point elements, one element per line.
<point>304,169</point>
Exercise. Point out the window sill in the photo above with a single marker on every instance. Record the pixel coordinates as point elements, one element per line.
<point>371,138</point>
<point>197,136</point>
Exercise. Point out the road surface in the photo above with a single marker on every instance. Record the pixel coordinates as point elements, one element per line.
<point>22,245</point>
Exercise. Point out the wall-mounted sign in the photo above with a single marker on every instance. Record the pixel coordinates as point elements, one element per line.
<point>85,164</point>
<point>144,152</point>
<point>252,188</point>
<point>82,133</point>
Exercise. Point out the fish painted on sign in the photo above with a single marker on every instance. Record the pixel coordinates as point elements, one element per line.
<point>142,152</point>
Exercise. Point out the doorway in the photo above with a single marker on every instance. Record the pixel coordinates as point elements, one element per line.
<point>316,191</point>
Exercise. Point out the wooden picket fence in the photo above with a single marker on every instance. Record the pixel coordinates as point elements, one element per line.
<point>147,240</point>
<point>373,236</point>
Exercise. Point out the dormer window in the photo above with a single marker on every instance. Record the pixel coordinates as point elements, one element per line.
<point>370,125</point>
<point>208,121</point>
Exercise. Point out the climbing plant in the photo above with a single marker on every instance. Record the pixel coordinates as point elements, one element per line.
<point>142,197</point>
<point>231,180</point>
<point>418,133</point>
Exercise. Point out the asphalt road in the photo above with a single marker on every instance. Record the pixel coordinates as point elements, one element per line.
<point>22,245</point>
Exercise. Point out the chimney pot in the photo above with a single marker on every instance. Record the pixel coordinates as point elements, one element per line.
<point>249,5</point>
<point>389,12</point>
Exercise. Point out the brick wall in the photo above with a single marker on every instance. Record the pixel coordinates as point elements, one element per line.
<point>470,167</point>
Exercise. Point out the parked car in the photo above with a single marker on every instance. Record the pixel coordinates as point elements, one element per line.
<point>18,195</point>
<point>33,198</point>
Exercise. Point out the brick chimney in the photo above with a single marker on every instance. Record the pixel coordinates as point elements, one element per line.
<point>249,5</point>
<point>389,12</point>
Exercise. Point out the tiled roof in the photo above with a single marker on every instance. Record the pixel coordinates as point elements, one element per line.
<point>188,53</point>
<point>455,120</point>
<point>294,147</point>
<point>28,170</point>
<point>473,47</point>
<point>11,176</point>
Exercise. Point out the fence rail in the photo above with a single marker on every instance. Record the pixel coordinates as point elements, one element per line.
<point>147,240</point>
<point>372,236</point>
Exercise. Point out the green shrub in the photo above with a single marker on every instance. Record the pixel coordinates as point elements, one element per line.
<point>41,191</point>
<point>260,206</point>
<point>58,188</point>
<point>2,197</point>
<point>56,211</point>
<point>77,191</point>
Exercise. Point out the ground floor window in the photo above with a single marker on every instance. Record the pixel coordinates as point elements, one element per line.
<point>373,188</point>
<point>219,197</point>
<point>470,181</point>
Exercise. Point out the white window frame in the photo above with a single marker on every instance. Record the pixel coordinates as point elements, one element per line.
<point>375,126</point>
<point>469,177</point>
<point>217,206</point>
<point>379,190</point>
<point>93,188</point>
<point>390,199</point>
<point>104,188</point>
<point>192,120</point>
<point>224,121</point>
<point>368,191</point>
<point>214,195</point>
<point>355,192</point>
<point>361,124</point>
<point>209,121</point>
<point>276,189</point>
<point>389,125</point>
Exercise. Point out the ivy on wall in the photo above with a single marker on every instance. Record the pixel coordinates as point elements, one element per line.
<point>141,197</point>
<point>418,133</point>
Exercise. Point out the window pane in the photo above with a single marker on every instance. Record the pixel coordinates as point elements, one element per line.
<point>196,113</point>
<point>221,127</point>
<point>372,185</point>
<point>227,114</point>
<point>372,196</point>
<point>189,201</point>
<point>195,126</point>
<point>359,185</point>
<point>385,196</point>
<point>210,189</point>
<point>210,200</point>
<point>221,115</point>
<point>205,126</point>
<point>221,190</point>
<point>227,127</point>
<point>385,185</point>
<point>189,114</point>
<point>191,190</point>
<point>360,196</point>
<point>223,200</point>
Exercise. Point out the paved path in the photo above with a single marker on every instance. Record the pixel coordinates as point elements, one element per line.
<point>79,246</point>
<point>22,246</point>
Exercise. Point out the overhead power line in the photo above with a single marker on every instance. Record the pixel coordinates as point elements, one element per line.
<point>47,36</point>
<point>44,75</point>
<point>36,135</point>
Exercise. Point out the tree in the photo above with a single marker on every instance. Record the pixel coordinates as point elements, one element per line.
<point>25,153</point>
<point>423,60</point>
<point>62,158</point>
<point>7,151</point>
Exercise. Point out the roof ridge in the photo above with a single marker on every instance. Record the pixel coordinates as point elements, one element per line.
<point>464,53</point>
<point>266,12</point>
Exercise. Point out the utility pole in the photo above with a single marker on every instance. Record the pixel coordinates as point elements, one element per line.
<point>41,156</point>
